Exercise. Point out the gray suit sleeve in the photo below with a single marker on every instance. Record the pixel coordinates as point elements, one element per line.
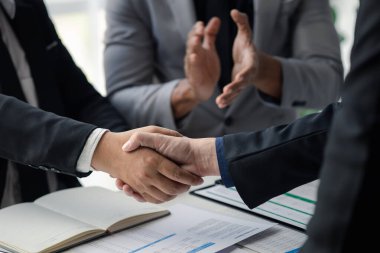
<point>313,75</point>
<point>129,68</point>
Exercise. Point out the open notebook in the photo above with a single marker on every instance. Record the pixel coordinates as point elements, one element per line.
<point>65,218</point>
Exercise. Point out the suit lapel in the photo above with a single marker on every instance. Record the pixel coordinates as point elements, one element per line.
<point>184,15</point>
<point>266,14</point>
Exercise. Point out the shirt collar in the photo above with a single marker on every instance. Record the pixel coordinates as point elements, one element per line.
<point>9,6</point>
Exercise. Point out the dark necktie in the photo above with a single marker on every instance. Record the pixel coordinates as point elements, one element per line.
<point>206,9</point>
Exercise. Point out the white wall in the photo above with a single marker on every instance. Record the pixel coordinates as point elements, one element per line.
<point>345,23</point>
<point>81,26</point>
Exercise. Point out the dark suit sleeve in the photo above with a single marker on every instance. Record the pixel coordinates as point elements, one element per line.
<point>41,139</point>
<point>81,101</point>
<point>267,163</point>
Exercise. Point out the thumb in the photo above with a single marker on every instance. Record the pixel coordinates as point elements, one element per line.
<point>140,139</point>
<point>211,31</point>
<point>242,22</point>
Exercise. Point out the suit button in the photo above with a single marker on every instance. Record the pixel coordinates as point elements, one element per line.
<point>228,121</point>
<point>55,170</point>
<point>43,168</point>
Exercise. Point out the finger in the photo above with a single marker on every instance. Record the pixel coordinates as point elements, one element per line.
<point>234,86</point>
<point>161,188</point>
<point>165,176</point>
<point>160,195</point>
<point>170,187</point>
<point>195,45</point>
<point>224,100</point>
<point>138,197</point>
<point>195,38</point>
<point>130,192</point>
<point>119,184</point>
<point>230,90</point>
<point>242,22</point>
<point>150,199</point>
<point>149,140</point>
<point>211,31</point>
<point>160,130</point>
<point>197,29</point>
<point>228,100</point>
<point>143,192</point>
<point>179,175</point>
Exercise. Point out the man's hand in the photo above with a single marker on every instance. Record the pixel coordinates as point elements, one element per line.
<point>202,64</point>
<point>151,175</point>
<point>197,156</point>
<point>251,67</point>
<point>202,68</point>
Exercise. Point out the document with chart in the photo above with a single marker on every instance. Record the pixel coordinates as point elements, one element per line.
<point>295,207</point>
<point>186,230</point>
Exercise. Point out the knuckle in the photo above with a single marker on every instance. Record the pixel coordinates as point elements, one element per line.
<point>139,186</point>
<point>143,175</point>
<point>176,174</point>
<point>183,188</point>
<point>136,136</point>
<point>165,197</point>
<point>151,161</point>
<point>173,190</point>
<point>150,128</point>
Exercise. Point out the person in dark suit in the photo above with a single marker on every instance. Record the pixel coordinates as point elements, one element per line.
<point>339,145</point>
<point>36,68</point>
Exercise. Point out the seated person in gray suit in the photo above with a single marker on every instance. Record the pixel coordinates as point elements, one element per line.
<point>52,119</point>
<point>294,59</point>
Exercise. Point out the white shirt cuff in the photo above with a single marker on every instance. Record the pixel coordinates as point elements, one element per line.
<point>85,158</point>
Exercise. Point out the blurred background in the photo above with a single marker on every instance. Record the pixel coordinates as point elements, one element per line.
<point>81,25</point>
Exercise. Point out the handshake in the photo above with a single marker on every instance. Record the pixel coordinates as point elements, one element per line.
<point>155,164</point>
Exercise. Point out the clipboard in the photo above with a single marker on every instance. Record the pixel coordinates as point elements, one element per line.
<point>294,208</point>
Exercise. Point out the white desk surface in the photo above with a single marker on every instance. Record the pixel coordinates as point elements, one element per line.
<point>220,208</point>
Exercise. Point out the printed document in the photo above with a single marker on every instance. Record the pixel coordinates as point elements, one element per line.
<point>275,239</point>
<point>186,230</point>
<point>295,207</point>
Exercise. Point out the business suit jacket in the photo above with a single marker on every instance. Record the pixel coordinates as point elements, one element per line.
<point>348,192</point>
<point>146,39</point>
<point>39,137</point>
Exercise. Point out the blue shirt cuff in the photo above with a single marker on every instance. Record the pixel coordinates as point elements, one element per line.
<point>223,167</point>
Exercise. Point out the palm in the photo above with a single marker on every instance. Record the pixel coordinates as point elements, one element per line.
<point>202,64</point>
<point>204,72</point>
<point>244,56</point>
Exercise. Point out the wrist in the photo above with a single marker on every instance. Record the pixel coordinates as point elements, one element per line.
<point>183,99</point>
<point>106,153</point>
<point>268,77</point>
<point>205,154</point>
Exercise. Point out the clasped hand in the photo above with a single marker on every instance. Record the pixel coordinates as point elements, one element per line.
<point>154,177</point>
<point>162,163</point>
